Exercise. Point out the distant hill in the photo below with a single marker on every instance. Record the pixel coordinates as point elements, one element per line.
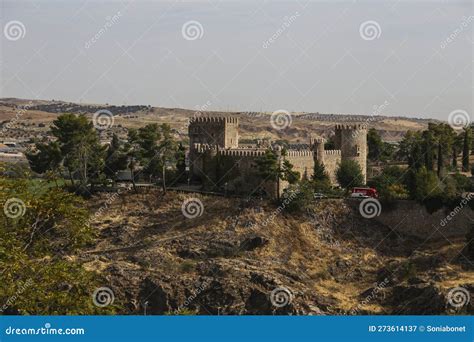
<point>33,117</point>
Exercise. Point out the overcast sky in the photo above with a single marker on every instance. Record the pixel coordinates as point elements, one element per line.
<point>312,56</point>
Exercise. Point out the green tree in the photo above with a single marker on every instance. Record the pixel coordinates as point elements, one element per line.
<point>374,144</point>
<point>428,142</point>
<point>80,146</point>
<point>330,143</point>
<point>320,179</point>
<point>427,185</point>
<point>116,158</point>
<point>34,240</point>
<point>466,149</point>
<point>444,135</point>
<point>167,151</point>
<point>270,167</point>
<point>297,197</point>
<point>456,148</point>
<point>181,162</point>
<point>132,151</point>
<point>148,140</point>
<point>390,183</point>
<point>288,174</point>
<point>319,172</point>
<point>349,174</point>
<point>411,150</point>
<point>46,157</point>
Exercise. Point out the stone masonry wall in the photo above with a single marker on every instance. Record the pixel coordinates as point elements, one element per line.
<point>412,218</point>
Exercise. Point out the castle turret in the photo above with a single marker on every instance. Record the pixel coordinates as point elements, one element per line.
<point>352,141</point>
<point>317,146</point>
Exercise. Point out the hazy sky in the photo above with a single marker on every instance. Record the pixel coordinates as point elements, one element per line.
<point>319,59</point>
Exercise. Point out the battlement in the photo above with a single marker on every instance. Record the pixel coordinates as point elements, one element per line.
<point>296,153</point>
<point>351,127</point>
<point>217,119</point>
<point>242,153</point>
<point>332,152</point>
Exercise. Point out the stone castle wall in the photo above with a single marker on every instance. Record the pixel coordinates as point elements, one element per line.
<point>216,157</point>
<point>303,162</point>
<point>332,158</point>
<point>417,221</point>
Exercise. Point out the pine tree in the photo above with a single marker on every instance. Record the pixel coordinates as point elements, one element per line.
<point>319,172</point>
<point>349,174</point>
<point>181,161</point>
<point>271,168</point>
<point>466,149</point>
<point>116,158</point>
<point>167,151</point>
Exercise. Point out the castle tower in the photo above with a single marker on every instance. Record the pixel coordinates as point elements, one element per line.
<point>352,141</point>
<point>317,146</point>
<point>214,131</point>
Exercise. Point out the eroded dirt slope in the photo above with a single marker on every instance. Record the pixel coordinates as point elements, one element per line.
<point>231,258</point>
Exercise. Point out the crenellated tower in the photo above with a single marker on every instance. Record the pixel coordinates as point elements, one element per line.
<point>217,131</point>
<point>352,141</point>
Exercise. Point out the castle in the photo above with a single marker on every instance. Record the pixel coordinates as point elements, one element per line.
<point>218,161</point>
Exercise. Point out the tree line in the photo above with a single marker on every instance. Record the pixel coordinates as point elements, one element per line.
<point>76,151</point>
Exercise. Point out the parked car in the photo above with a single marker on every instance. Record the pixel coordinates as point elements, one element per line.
<point>364,193</point>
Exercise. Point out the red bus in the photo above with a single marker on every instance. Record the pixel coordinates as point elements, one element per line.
<point>364,192</point>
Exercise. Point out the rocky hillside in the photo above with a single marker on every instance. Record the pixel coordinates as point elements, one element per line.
<point>245,257</point>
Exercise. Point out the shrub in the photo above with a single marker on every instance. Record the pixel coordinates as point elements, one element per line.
<point>297,198</point>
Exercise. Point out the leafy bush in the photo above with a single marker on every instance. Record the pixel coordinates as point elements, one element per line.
<point>296,198</point>
<point>50,223</point>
